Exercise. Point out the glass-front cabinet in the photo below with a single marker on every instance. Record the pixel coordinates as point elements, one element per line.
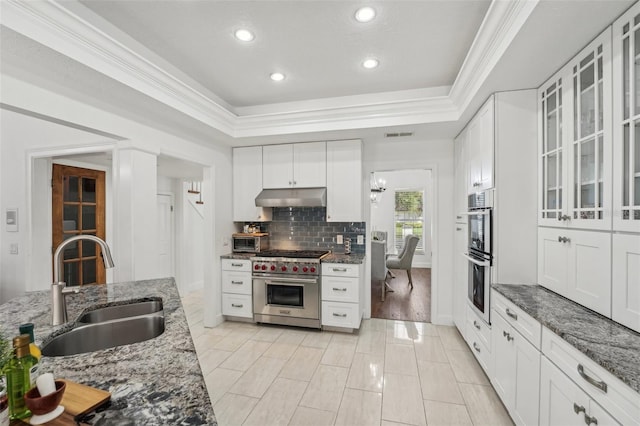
<point>575,141</point>
<point>626,121</point>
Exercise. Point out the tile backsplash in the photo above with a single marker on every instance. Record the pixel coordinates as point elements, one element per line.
<point>306,228</point>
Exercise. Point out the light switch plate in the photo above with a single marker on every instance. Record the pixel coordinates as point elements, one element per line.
<point>11,220</point>
<point>13,248</point>
<point>339,239</point>
<point>360,240</point>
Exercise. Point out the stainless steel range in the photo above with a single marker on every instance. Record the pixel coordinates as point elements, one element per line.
<point>286,287</point>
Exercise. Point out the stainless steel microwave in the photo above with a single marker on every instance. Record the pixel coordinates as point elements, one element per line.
<point>250,243</point>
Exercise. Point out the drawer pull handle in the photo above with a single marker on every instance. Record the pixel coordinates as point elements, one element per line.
<point>578,408</point>
<point>237,265</point>
<point>591,380</point>
<point>476,347</point>
<point>476,325</point>
<point>285,312</point>
<point>339,269</point>
<point>235,305</point>
<point>507,335</point>
<point>564,239</point>
<point>339,289</point>
<point>512,315</point>
<point>237,282</point>
<point>335,314</point>
<point>590,420</point>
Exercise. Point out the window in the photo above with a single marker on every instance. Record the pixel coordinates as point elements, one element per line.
<point>409,217</point>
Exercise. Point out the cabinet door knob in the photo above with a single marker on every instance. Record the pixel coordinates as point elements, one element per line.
<point>476,347</point>
<point>590,420</point>
<point>578,408</point>
<point>476,325</point>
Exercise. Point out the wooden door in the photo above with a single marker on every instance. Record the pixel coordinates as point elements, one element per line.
<point>78,205</point>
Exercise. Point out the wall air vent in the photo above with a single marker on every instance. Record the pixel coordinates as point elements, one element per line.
<point>398,134</point>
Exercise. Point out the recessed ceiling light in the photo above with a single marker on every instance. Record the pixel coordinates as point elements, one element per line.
<point>277,76</point>
<point>244,35</point>
<point>370,63</point>
<point>365,14</point>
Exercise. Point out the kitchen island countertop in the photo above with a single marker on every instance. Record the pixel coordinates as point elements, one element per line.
<point>611,345</point>
<point>158,381</point>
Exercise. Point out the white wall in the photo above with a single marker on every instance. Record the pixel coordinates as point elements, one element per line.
<point>25,138</point>
<point>436,155</point>
<point>383,211</point>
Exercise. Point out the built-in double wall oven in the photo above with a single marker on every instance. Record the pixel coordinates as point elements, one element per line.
<point>479,252</point>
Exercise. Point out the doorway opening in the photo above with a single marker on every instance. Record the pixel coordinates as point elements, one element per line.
<point>404,208</point>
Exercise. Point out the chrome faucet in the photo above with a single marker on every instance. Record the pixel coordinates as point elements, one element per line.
<point>58,290</point>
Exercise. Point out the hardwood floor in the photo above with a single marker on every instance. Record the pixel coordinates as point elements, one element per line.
<point>404,303</point>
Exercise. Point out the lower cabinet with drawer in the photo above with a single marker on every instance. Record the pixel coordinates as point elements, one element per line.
<point>341,294</point>
<point>606,393</point>
<point>237,288</point>
<point>478,335</point>
<point>516,370</point>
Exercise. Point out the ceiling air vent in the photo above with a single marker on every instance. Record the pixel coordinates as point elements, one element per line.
<point>398,134</point>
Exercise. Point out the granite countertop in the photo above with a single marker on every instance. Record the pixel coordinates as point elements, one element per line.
<point>614,347</point>
<point>158,381</point>
<point>330,258</point>
<point>344,258</point>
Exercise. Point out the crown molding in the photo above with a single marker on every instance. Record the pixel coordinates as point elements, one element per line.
<point>501,24</point>
<point>67,27</point>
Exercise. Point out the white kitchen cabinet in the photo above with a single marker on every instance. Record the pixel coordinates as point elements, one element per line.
<point>626,121</point>
<point>478,336</point>
<point>247,184</point>
<point>342,302</point>
<point>577,265</point>
<point>300,165</point>
<point>344,181</point>
<point>480,145</point>
<point>625,291</point>
<point>562,402</point>
<point>237,288</point>
<point>575,141</point>
<point>579,379</point>
<point>516,370</point>
<point>460,277</point>
<point>461,177</point>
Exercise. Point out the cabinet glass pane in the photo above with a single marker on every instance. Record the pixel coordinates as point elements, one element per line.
<point>600,94</point>
<point>70,217</point>
<point>552,129</point>
<point>88,217</point>
<point>587,102</point>
<point>551,170</point>
<point>88,190</point>
<point>559,183</point>
<point>625,166</point>
<point>89,272</point>
<point>70,185</point>
<point>587,173</point>
<point>636,70</point>
<point>625,77</point>
<point>636,167</point>
<point>600,168</point>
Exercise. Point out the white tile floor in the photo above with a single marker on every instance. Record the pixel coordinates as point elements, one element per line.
<point>390,373</point>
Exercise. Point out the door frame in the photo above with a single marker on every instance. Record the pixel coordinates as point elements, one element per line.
<point>172,231</point>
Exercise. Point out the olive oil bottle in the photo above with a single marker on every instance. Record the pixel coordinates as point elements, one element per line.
<point>19,378</point>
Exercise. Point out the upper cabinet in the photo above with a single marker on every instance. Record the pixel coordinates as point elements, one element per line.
<point>344,181</point>
<point>626,121</point>
<point>461,177</point>
<point>480,148</point>
<point>301,165</point>
<point>575,141</point>
<point>247,184</point>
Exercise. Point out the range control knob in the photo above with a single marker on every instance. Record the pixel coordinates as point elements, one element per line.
<point>264,267</point>
<point>313,269</point>
<point>295,269</point>
<point>305,269</point>
<point>283,268</point>
<point>256,267</point>
<point>273,267</point>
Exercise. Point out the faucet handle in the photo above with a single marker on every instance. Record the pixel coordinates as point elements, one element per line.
<point>70,290</point>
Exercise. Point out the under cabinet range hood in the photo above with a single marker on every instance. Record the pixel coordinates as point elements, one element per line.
<point>292,197</point>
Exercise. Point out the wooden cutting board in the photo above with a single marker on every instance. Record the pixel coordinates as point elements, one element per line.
<point>77,400</point>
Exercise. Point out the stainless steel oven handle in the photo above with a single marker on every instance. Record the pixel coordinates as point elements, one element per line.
<point>291,280</point>
<point>477,262</point>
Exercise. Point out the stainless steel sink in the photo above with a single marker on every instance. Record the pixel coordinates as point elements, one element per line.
<point>105,335</point>
<point>121,311</point>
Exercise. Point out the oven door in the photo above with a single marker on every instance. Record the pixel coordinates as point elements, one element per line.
<point>479,289</point>
<point>286,296</point>
<point>480,231</point>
